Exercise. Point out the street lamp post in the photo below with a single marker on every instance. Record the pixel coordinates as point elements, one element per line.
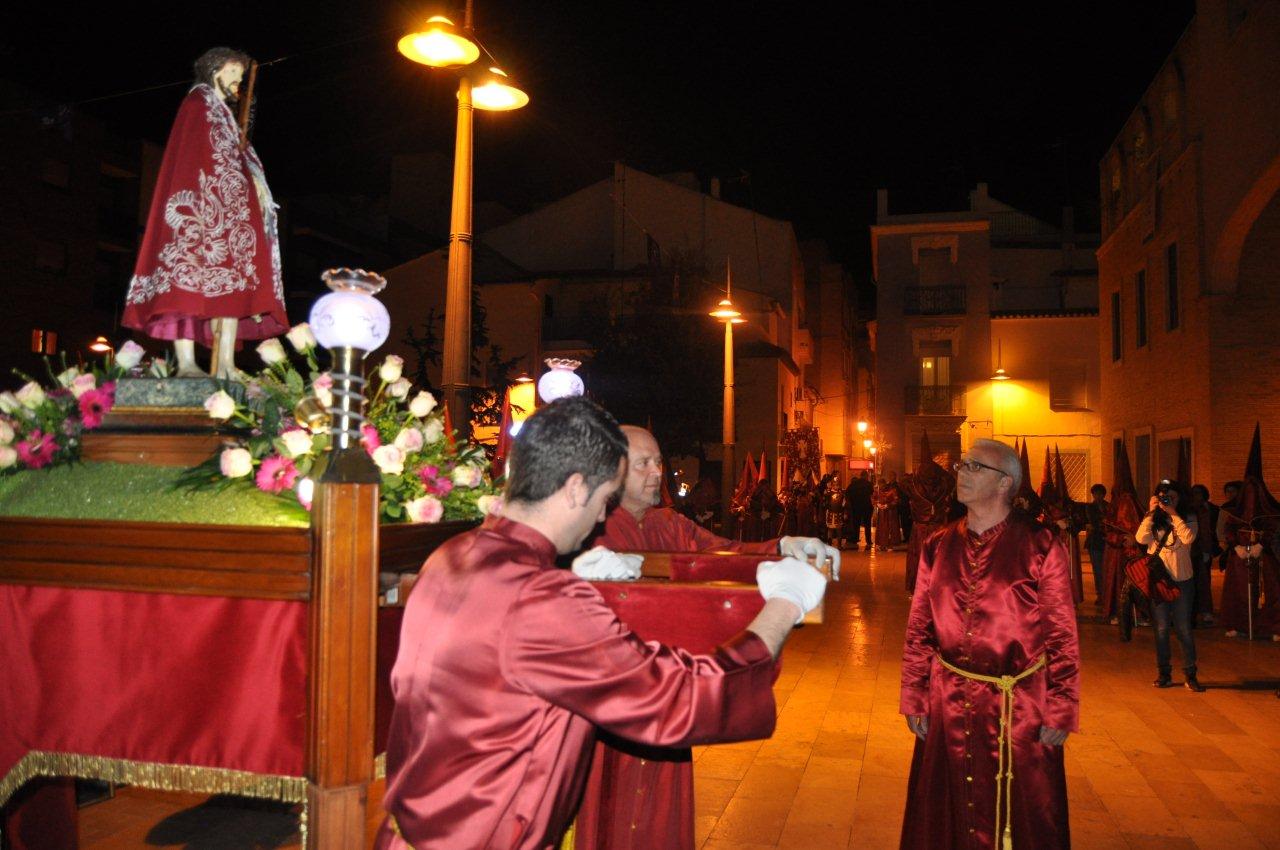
<point>727,313</point>
<point>440,45</point>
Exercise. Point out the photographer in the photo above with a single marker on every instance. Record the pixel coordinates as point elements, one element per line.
<point>1166,531</point>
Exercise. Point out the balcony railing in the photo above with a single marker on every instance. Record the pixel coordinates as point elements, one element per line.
<point>933,300</point>
<point>937,400</point>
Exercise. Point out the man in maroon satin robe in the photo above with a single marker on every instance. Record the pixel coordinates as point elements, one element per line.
<point>993,599</point>
<point>663,779</point>
<point>508,665</point>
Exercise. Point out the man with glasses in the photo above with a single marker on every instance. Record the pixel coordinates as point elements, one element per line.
<point>990,671</point>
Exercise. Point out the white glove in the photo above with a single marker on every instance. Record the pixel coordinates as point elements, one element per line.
<point>792,580</point>
<point>806,548</point>
<point>601,564</point>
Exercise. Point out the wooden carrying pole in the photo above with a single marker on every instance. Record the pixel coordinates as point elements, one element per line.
<point>246,104</point>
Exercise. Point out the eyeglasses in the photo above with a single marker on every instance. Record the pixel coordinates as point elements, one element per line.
<point>972,466</point>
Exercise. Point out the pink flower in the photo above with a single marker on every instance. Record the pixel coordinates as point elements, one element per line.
<point>276,474</point>
<point>426,509</point>
<point>94,403</point>
<point>430,476</point>
<point>369,436</point>
<point>37,450</point>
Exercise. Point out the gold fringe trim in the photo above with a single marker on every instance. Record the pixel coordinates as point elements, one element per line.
<point>158,777</point>
<point>379,766</point>
<point>570,837</point>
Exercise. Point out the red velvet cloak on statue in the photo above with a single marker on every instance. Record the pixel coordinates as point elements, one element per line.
<point>990,604</point>
<point>659,781</point>
<point>210,249</point>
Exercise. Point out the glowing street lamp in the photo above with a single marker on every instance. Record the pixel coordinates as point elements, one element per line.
<point>862,427</point>
<point>442,45</point>
<point>730,315</point>
<point>101,345</point>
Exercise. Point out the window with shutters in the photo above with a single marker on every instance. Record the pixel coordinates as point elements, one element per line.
<point>1069,385</point>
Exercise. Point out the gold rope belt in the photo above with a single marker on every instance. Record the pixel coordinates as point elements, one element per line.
<point>1004,768</point>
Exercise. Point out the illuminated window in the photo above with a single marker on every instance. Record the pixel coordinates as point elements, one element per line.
<point>43,341</point>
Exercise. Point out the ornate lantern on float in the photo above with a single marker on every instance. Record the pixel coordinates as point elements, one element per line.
<point>349,322</point>
<point>560,381</point>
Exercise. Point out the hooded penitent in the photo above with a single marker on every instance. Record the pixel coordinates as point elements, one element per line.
<point>930,490</point>
<point>1253,573</point>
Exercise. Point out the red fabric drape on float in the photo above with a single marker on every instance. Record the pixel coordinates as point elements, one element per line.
<point>200,681</point>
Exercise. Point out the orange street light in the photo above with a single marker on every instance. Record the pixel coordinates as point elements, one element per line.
<point>495,93</point>
<point>730,315</point>
<point>102,345</point>
<point>439,44</point>
<point>442,45</point>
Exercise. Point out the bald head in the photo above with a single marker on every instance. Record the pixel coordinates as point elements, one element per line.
<point>642,488</point>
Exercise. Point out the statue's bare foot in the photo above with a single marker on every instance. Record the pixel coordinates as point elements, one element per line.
<point>185,349</point>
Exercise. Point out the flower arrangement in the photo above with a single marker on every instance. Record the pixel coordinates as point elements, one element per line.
<point>426,476</point>
<point>41,424</point>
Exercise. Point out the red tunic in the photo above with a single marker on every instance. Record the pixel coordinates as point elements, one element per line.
<point>659,781</point>
<point>667,530</point>
<point>929,493</point>
<point>506,667</point>
<point>989,604</point>
<point>1121,522</point>
<point>210,249</point>
<point>888,526</point>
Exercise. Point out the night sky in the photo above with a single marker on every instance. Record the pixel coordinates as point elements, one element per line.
<point>819,104</point>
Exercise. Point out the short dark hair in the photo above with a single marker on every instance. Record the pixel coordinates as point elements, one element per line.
<point>212,61</point>
<point>1099,488</point>
<point>567,436</point>
<point>1201,491</point>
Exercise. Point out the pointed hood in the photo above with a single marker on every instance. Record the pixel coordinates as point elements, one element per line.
<point>1049,494</point>
<point>1124,510</point>
<point>1060,478</point>
<point>930,480</point>
<point>1026,499</point>
<point>762,471</point>
<point>1256,501</point>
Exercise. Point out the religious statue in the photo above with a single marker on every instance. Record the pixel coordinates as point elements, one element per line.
<point>208,269</point>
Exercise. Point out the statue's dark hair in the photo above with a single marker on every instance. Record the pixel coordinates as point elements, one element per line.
<point>567,436</point>
<point>212,60</point>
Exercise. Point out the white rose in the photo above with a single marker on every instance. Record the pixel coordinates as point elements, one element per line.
<point>467,475</point>
<point>489,504</point>
<point>425,509</point>
<point>409,440</point>
<point>391,368</point>
<point>82,384</point>
<point>220,405</point>
<point>129,355</point>
<point>235,463</point>
<point>65,378</point>
<point>301,338</point>
<point>272,352</point>
<point>6,432</point>
<point>389,459</point>
<point>433,431</point>
<point>297,442</point>
<point>399,388</point>
<point>8,457</point>
<point>9,403</point>
<point>30,395</point>
<point>422,404</point>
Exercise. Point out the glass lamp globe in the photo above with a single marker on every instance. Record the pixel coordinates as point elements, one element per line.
<point>349,316</point>
<point>560,381</point>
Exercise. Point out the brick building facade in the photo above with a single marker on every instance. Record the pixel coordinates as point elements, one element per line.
<point>1189,267</point>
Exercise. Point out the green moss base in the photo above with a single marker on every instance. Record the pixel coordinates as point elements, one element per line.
<point>132,492</point>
